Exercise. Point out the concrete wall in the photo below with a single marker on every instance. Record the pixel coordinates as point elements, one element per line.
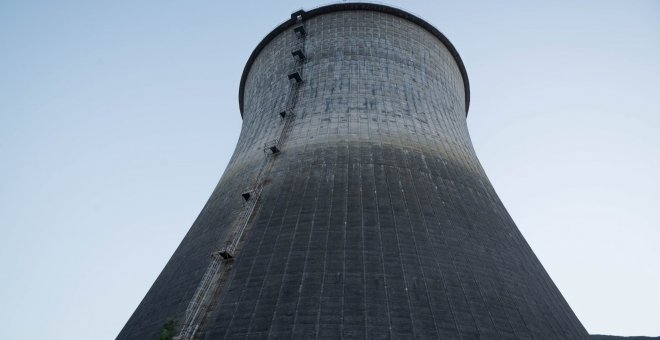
<point>376,218</point>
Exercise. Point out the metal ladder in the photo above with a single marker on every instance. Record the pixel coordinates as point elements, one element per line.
<point>222,259</point>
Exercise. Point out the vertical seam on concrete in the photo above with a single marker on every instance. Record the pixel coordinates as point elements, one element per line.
<point>286,266</point>
<point>233,265</point>
<point>364,265</point>
<point>412,230</point>
<point>406,155</point>
<point>343,269</point>
<point>263,237</point>
<point>442,275</point>
<point>434,248</point>
<point>325,260</point>
<point>450,250</point>
<point>449,190</point>
<point>396,235</point>
<point>309,240</point>
<point>395,170</point>
<point>421,214</point>
<point>382,257</point>
<point>472,226</point>
<point>405,152</point>
<point>269,261</point>
<point>380,238</point>
<point>523,246</point>
<point>240,296</point>
<point>498,273</point>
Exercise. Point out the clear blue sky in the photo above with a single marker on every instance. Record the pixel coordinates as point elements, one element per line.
<point>117,119</point>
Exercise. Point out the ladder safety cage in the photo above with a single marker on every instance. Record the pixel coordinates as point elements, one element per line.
<point>200,300</point>
<point>211,282</point>
<point>228,251</point>
<point>224,254</point>
<point>271,147</point>
<point>291,98</point>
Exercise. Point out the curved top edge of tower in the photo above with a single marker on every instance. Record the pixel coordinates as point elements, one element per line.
<point>353,7</point>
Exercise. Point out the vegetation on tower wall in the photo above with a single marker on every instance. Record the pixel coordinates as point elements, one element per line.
<point>168,331</point>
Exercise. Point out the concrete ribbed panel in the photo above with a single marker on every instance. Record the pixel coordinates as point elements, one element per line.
<point>376,218</point>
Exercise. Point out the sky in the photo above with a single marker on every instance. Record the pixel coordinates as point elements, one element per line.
<point>117,119</point>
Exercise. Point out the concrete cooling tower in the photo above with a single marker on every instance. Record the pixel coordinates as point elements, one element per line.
<point>354,205</point>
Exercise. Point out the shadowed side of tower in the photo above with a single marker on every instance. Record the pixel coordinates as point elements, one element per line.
<point>354,205</point>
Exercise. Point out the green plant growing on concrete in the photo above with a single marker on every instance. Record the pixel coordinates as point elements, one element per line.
<point>168,331</point>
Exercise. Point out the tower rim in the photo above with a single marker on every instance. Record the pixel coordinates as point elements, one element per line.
<point>354,6</point>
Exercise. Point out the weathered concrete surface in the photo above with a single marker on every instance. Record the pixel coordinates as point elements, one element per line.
<point>377,219</point>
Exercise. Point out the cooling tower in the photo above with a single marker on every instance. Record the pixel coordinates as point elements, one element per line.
<point>354,205</point>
